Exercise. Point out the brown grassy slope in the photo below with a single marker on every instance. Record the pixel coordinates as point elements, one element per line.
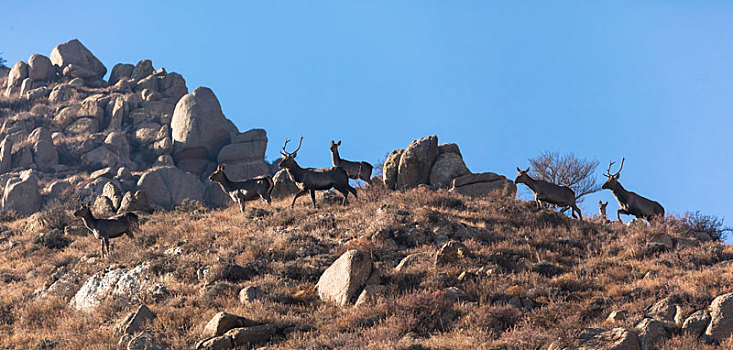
<point>284,251</point>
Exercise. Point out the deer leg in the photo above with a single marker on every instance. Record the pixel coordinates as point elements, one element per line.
<point>302,192</point>
<point>102,242</point>
<point>106,243</point>
<point>313,198</point>
<point>346,196</point>
<point>241,202</point>
<point>619,212</point>
<point>266,197</point>
<point>575,208</point>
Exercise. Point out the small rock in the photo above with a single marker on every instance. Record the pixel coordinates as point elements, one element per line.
<point>651,333</point>
<point>144,341</point>
<point>345,277</point>
<point>618,316</point>
<point>250,294</point>
<point>223,322</point>
<point>217,343</point>
<point>696,323</point>
<point>251,335</point>
<point>721,318</point>
<point>134,321</point>
<point>451,252</point>
<point>547,269</point>
<point>410,260</point>
<point>614,339</point>
<point>369,295</point>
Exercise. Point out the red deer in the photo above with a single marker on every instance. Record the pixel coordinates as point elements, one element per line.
<point>311,180</point>
<point>242,191</point>
<point>355,170</point>
<point>105,229</point>
<point>630,202</point>
<point>602,210</point>
<point>548,192</point>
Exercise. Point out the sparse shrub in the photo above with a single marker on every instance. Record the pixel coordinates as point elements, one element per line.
<point>495,318</point>
<point>55,216</point>
<point>3,61</point>
<point>423,312</point>
<point>191,206</point>
<point>566,170</point>
<point>712,225</point>
<point>53,239</point>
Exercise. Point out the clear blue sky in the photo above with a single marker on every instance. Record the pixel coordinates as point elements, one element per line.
<point>505,81</point>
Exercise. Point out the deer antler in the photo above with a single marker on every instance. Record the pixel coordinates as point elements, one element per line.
<point>284,152</point>
<point>300,143</point>
<point>621,167</point>
<point>608,171</point>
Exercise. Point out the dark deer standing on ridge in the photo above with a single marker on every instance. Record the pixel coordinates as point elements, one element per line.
<point>104,229</point>
<point>548,192</point>
<point>355,170</point>
<point>310,179</point>
<point>630,202</point>
<point>242,191</point>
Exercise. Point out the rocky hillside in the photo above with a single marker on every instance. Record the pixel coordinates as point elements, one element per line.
<point>141,130</point>
<point>430,257</point>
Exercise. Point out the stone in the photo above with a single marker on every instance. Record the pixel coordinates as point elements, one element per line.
<point>341,282</point>
<point>144,341</point>
<point>26,86</point>
<point>6,159</point>
<point>78,72</point>
<point>168,186</point>
<point>199,125</point>
<point>39,92</point>
<point>135,202</point>
<point>173,86</point>
<point>136,320</point>
<point>45,155</point>
<point>120,71</point>
<point>217,343</point>
<point>102,207</point>
<point>242,152</point>
<point>411,260</point>
<point>222,322</point>
<point>148,83</point>
<point>547,269</point>
<point>449,148</point>
<point>74,52</point>
<point>665,310</point>
<point>22,159</point>
<point>150,95</point>
<point>56,188</point>
<point>450,252</point>
<point>390,168</point>
<point>447,167</point>
<point>246,336</point>
<point>696,323</point>
<point>663,239</point>
<point>250,294</point>
<point>284,186</point>
<point>416,162</point>
<point>17,74</point>
<point>133,281</point>
<point>470,185</point>
<point>141,70</point>
<point>61,93</point>
<point>83,126</point>
<point>118,144</point>
<point>116,112</point>
<point>102,157</point>
<point>651,333</point>
<point>40,68</point>
<point>614,339</point>
<point>369,295</point>
<point>114,194</point>
<point>39,134</point>
<point>22,195</point>
<point>96,288</point>
<point>721,318</point>
<point>164,160</point>
<point>617,316</point>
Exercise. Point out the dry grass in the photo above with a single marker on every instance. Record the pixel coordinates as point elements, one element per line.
<point>508,303</point>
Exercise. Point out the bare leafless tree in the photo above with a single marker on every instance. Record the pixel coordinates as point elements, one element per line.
<point>566,170</point>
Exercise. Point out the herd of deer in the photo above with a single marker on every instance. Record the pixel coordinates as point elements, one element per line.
<point>337,177</point>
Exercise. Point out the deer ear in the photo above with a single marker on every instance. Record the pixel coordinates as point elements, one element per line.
<point>339,143</point>
<point>600,202</point>
<point>332,143</point>
<point>526,170</point>
<point>519,170</point>
<point>222,166</point>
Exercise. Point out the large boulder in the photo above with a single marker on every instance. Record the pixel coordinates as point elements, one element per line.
<point>22,195</point>
<point>45,155</point>
<point>134,321</point>
<point>120,71</point>
<point>96,288</point>
<point>6,147</point>
<point>135,202</point>
<point>40,68</point>
<point>416,162</point>
<point>222,322</point>
<point>447,167</point>
<point>344,279</point>
<point>614,339</point>
<point>199,126</point>
<point>721,322</point>
<point>142,69</point>
<point>696,323</point>
<point>284,185</point>
<point>390,168</point>
<point>75,53</point>
<point>173,86</point>
<point>475,185</point>
<point>651,333</point>
<point>17,74</point>
<point>245,147</point>
<point>168,186</point>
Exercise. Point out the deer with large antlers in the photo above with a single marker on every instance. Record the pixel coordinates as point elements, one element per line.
<point>312,180</point>
<point>105,229</point>
<point>355,170</point>
<point>544,191</point>
<point>242,191</point>
<point>630,202</point>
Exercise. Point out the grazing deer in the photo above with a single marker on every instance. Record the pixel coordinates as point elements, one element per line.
<point>602,211</point>
<point>104,229</point>
<point>242,191</point>
<point>630,202</point>
<point>355,170</point>
<point>548,192</point>
<point>310,179</point>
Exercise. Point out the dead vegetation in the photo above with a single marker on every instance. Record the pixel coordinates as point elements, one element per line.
<point>532,276</point>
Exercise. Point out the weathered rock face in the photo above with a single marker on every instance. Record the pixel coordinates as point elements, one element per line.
<point>614,339</point>
<point>651,333</point>
<point>416,162</point>
<point>142,69</point>
<point>41,68</point>
<point>447,167</point>
<point>120,71</point>
<point>45,155</point>
<point>75,53</point>
<point>6,147</point>
<point>18,73</point>
<point>475,185</point>
<point>222,322</point>
<point>390,168</point>
<point>95,289</point>
<point>135,202</point>
<point>245,147</point>
<point>696,323</point>
<point>134,321</point>
<point>721,322</point>
<point>167,187</point>
<point>341,282</point>
<point>22,195</point>
<point>199,128</point>
<point>284,185</point>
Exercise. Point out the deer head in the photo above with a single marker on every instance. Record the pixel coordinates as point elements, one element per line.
<point>83,210</point>
<point>612,181</point>
<point>335,146</point>
<point>218,174</point>
<point>522,176</point>
<point>288,160</point>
